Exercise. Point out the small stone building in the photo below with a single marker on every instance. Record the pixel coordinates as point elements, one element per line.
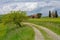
<point>34,16</point>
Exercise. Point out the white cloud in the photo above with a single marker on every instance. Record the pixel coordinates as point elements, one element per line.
<point>29,6</point>
<point>51,3</point>
<point>42,4</point>
<point>55,4</point>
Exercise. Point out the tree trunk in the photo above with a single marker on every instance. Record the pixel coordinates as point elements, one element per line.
<point>18,24</point>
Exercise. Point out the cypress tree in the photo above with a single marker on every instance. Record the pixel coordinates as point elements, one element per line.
<point>56,14</point>
<point>49,13</point>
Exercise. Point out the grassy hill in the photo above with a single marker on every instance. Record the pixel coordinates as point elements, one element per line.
<point>10,32</point>
<point>50,23</point>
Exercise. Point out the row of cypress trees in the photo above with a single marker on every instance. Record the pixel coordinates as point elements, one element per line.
<point>53,14</point>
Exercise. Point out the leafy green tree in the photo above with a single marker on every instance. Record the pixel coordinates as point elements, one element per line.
<point>39,15</point>
<point>14,16</point>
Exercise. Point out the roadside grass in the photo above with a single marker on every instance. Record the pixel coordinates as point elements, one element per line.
<point>22,33</point>
<point>50,23</point>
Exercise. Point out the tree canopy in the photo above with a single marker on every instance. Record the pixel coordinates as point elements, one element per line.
<point>14,16</point>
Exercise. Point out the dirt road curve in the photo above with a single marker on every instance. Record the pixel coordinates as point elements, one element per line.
<point>38,35</point>
<point>49,32</point>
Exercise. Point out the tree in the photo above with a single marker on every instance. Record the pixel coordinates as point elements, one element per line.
<point>49,13</point>
<point>56,15</point>
<point>39,15</point>
<point>14,16</point>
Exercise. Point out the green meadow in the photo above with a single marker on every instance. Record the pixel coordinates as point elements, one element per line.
<point>50,23</point>
<point>10,32</point>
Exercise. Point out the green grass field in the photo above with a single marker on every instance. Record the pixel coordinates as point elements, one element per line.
<point>50,23</point>
<point>10,32</point>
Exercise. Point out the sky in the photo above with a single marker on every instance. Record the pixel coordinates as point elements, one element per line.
<point>30,6</point>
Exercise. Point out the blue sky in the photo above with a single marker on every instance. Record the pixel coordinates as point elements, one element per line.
<point>31,6</point>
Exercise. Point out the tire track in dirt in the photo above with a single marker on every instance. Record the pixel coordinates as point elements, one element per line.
<point>38,35</point>
<point>49,32</point>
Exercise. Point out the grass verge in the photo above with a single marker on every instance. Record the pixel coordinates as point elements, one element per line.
<point>23,33</point>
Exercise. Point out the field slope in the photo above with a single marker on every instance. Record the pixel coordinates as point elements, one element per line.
<point>10,32</point>
<point>50,23</point>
